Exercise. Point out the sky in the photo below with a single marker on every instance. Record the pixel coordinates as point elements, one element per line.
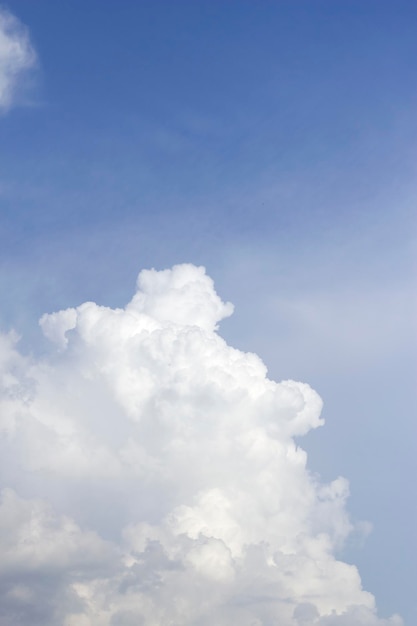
<point>273,144</point>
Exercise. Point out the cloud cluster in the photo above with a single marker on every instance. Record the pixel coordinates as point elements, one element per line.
<point>151,477</point>
<point>16,57</point>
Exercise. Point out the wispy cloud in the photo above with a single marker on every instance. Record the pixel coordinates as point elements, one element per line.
<point>17,56</point>
<point>151,476</point>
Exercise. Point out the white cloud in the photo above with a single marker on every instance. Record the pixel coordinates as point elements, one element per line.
<point>16,57</point>
<point>42,556</point>
<point>156,479</point>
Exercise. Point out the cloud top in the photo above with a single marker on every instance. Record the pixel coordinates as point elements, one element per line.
<point>17,56</point>
<point>181,295</point>
<point>150,476</point>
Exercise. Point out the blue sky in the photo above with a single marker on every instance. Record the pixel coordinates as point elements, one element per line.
<point>272,142</point>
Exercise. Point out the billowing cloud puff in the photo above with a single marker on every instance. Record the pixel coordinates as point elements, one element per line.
<point>16,56</point>
<point>151,476</point>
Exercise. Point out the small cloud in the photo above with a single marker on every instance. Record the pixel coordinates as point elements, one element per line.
<point>17,57</point>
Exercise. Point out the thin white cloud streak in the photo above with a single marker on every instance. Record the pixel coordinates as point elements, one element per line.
<point>151,476</point>
<point>367,326</point>
<point>17,56</point>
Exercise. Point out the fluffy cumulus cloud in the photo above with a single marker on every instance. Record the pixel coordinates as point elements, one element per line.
<point>150,476</point>
<point>17,56</point>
